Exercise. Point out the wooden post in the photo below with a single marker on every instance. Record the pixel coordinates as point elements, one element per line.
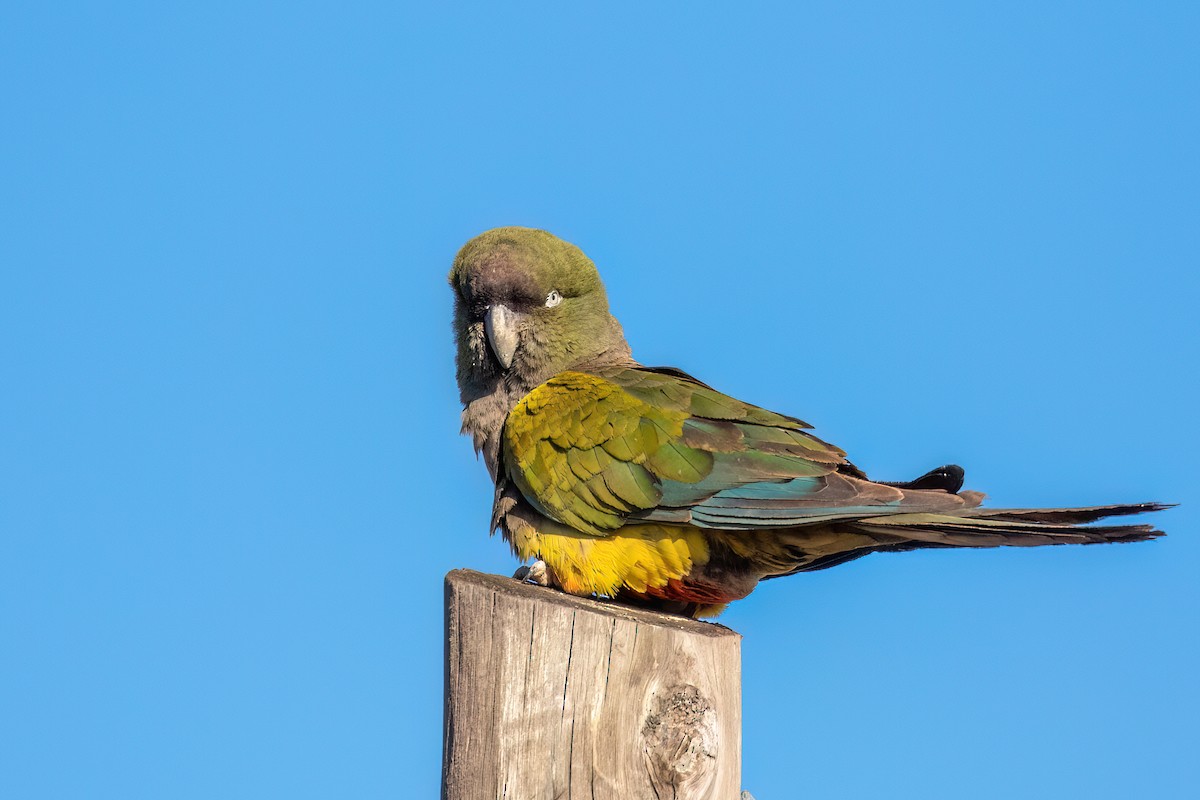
<point>550,696</point>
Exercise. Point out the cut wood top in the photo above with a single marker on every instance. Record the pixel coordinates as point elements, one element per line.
<point>603,607</point>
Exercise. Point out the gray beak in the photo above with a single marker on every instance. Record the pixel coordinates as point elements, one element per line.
<point>501,327</point>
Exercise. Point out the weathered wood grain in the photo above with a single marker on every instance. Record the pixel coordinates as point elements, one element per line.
<point>553,697</point>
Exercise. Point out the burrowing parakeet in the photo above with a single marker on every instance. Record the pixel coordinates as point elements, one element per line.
<point>647,485</point>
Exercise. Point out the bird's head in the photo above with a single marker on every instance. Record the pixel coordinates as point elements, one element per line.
<point>528,305</point>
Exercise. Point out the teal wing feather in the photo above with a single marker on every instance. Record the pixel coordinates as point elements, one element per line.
<point>768,470</point>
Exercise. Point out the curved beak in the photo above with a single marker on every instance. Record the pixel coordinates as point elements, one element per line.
<point>501,327</point>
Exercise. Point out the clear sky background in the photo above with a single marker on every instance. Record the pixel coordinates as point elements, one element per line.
<point>230,475</point>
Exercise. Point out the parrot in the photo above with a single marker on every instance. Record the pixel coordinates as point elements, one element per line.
<point>644,485</point>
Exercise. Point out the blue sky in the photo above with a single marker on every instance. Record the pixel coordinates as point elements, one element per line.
<point>230,476</point>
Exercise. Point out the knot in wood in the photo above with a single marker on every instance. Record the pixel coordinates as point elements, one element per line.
<point>680,742</point>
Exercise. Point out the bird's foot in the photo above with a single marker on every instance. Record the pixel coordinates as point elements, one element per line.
<point>536,573</point>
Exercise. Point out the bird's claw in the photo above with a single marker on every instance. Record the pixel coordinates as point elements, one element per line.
<point>535,573</point>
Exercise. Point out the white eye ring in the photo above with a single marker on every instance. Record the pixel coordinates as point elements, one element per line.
<point>553,299</point>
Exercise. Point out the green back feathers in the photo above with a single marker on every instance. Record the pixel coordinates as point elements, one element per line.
<point>592,451</point>
<point>588,454</point>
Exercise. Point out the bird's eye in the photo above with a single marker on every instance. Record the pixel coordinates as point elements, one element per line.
<point>553,299</point>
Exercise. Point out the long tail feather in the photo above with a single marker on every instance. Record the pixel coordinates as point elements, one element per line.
<point>1008,527</point>
<point>1068,516</point>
